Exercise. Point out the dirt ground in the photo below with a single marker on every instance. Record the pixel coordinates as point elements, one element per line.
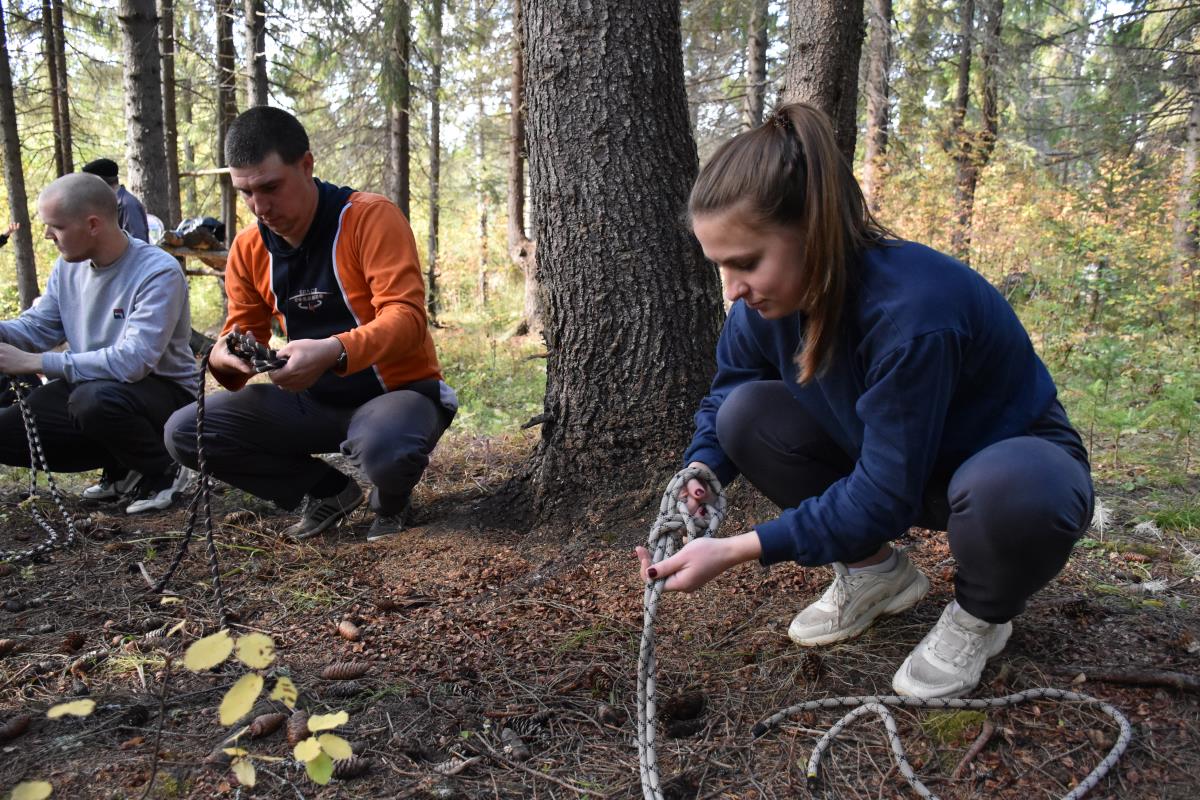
<point>469,628</point>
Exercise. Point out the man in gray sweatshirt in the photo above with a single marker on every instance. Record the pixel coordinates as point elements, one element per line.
<point>121,306</point>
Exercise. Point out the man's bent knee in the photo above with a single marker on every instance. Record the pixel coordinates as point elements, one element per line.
<point>179,436</point>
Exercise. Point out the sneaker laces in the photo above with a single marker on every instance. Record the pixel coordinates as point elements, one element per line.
<point>953,644</point>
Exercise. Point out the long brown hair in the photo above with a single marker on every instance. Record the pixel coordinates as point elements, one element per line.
<point>789,172</point>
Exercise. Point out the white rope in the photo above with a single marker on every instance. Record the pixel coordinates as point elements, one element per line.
<point>674,519</point>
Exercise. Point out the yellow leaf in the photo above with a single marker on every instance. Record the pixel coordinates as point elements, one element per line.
<point>244,771</point>
<point>240,698</point>
<point>76,708</point>
<point>320,769</point>
<point>234,751</point>
<point>337,747</point>
<point>31,790</point>
<point>324,722</point>
<point>206,653</point>
<point>307,750</point>
<point>170,601</point>
<point>256,650</point>
<point>285,691</point>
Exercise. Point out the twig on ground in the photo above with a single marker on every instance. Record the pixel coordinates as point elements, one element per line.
<point>1169,679</point>
<point>162,716</point>
<point>975,749</point>
<point>491,753</point>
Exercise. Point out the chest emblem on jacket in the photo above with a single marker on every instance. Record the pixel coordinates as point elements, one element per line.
<point>118,313</point>
<point>308,299</point>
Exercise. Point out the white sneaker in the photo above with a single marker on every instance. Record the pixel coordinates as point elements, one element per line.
<point>853,602</point>
<point>153,495</point>
<point>108,489</point>
<point>950,659</point>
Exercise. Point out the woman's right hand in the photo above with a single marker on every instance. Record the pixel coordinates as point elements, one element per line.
<point>696,493</point>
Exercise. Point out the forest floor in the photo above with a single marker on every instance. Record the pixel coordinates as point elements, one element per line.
<point>469,627</point>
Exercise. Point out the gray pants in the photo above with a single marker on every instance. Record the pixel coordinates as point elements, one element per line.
<point>262,439</point>
<point>1012,511</point>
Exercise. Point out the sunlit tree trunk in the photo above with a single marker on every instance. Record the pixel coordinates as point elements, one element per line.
<point>1187,204</point>
<point>50,56</point>
<point>14,181</point>
<point>256,53</point>
<point>482,195</point>
<point>824,44</point>
<point>879,58</point>
<point>435,155</point>
<point>226,109</point>
<point>520,248</point>
<point>632,309</point>
<point>145,149</point>
<point>400,104</point>
<point>167,38</point>
<point>756,65</point>
<point>63,95</point>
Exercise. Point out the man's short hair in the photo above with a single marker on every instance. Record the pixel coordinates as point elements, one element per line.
<point>79,195</point>
<point>105,168</point>
<point>262,130</point>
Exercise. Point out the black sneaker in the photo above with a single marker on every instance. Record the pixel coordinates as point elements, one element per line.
<point>386,525</point>
<point>321,513</point>
<point>154,493</point>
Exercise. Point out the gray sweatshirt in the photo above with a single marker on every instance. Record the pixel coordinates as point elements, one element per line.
<point>122,322</point>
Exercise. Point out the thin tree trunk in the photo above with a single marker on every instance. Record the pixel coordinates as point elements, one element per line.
<point>824,44</point>
<point>145,150</point>
<point>256,53</point>
<point>226,110</point>
<point>632,309</point>
<point>1187,204</point>
<point>401,105</point>
<point>481,193</point>
<point>435,153</point>
<point>166,24</point>
<point>756,65</point>
<point>63,96</point>
<point>879,59</point>
<point>50,55</point>
<point>960,138</point>
<point>14,181</point>
<point>520,248</point>
<point>188,206</point>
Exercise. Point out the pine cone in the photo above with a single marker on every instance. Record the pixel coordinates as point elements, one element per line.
<point>343,689</point>
<point>811,666</point>
<point>297,728</point>
<point>1076,608</point>
<point>14,727</point>
<point>351,767</point>
<point>345,670</point>
<point>266,724</point>
<point>349,631</point>
<point>7,646</point>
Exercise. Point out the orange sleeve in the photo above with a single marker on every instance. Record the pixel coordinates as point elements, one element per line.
<point>247,294</point>
<point>391,310</point>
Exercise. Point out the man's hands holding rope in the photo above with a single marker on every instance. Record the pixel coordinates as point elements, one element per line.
<point>703,558</point>
<point>307,360</point>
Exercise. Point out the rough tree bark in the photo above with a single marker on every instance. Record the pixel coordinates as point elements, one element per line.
<point>400,105</point>
<point>520,248</point>
<point>226,109</point>
<point>256,53</point>
<point>14,181</point>
<point>1187,202</point>
<point>145,148</point>
<point>632,308</point>
<point>50,55</point>
<point>756,65</point>
<point>166,38</point>
<point>824,44</point>
<point>63,94</point>
<point>435,154</point>
<point>879,59</point>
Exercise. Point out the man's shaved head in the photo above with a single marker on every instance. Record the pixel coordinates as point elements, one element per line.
<point>79,195</point>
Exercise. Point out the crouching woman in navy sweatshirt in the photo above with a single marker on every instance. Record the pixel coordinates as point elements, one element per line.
<point>865,385</point>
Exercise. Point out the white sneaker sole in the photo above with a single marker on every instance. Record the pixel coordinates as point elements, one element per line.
<point>908,597</point>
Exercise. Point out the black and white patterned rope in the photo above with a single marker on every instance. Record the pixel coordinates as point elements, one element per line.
<point>673,521</point>
<point>672,524</point>
<point>863,705</point>
<point>37,461</point>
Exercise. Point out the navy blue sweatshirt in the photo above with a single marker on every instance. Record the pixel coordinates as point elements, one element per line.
<point>930,366</point>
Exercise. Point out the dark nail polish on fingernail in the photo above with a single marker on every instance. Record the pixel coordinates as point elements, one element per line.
<point>652,572</point>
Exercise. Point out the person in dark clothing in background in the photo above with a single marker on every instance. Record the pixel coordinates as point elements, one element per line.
<point>865,385</point>
<point>131,214</point>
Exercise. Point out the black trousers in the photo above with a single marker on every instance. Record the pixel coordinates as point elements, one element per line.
<point>262,439</point>
<point>96,424</point>
<point>1012,511</point>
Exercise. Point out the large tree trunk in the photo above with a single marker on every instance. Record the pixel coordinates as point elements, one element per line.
<point>14,181</point>
<point>1187,204</point>
<point>632,308</point>
<point>50,56</point>
<point>166,38</point>
<point>401,105</point>
<point>824,43</point>
<point>756,65</point>
<point>973,149</point>
<point>520,248</point>
<point>879,59</point>
<point>63,95</point>
<point>145,150</point>
<point>226,110</point>
<point>256,53</point>
<point>435,154</point>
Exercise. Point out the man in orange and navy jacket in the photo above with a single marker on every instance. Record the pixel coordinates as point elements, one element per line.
<point>338,270</point>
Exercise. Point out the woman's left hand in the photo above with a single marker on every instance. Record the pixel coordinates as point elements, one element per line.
<point>700,561</point>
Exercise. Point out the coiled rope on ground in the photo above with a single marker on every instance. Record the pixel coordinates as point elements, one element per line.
<point>674,521</point>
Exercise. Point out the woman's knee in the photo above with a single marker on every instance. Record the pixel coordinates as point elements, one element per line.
<point>741,417</point>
